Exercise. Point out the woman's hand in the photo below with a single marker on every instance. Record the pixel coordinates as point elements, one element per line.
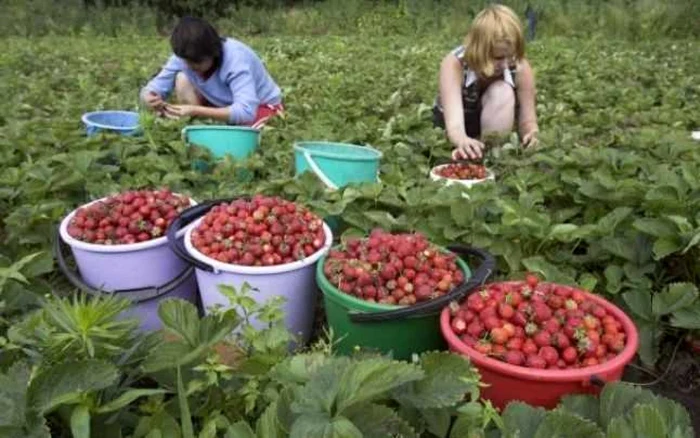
<point>153,100</point>
<point>467,148</point>
<point>530,139</point>
<point>177,111</point>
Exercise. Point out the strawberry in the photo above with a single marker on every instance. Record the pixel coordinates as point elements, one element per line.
<point>499,336</point>
<point>550,355</point>
<point>459,326</point>
<point>570,355</point>
<point>543,338</point>
<point>535,361</point>
<point>515,357</point>
<point>532,280</point>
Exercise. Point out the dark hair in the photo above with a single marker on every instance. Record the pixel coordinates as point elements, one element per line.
<point>194,39</point>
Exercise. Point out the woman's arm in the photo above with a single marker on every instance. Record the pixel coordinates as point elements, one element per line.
<point>525,85</point>
<point>164,82</point>
<point>451,76</point>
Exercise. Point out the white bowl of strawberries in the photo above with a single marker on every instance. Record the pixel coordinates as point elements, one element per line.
<point>463,173</point>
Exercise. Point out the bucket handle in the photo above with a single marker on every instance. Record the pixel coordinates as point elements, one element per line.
<point>185,218</point>
<point>481,274</point>
<point>136,295</point>
<point>317,170</point>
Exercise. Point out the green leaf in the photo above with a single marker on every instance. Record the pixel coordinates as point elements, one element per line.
<point>372,378</point>
<point>298,368</point>
<point>562,424</point>
<point>693,242</point>
<point>620,428</point>
<point>656,227</point>
<point>319,394</point>
<point>13,395</point>
<point>167,355</point>
<point>381,218</point>
<point>563,232</point>
<point>180,317</point>
<point>613,277</point>
<point>448,379</point>
<point>267,425</point>
<point>80,422</point>
<point>649,337</point>
<point>585,406</point>
<point>648,422</point>
<point>673,298</point>
<point>666,246</point>
<point>240,430</point>
<point>185,417</point>
<point>65,382</point>
<point>318,425</point>
<point>438,421</point>
<point>618,398</point>
<point>688,317</point>
<point>639,301</point>
<point>550,272</point>
<point>522,420</point>
<point>377,421</point>
<point>587,281</point>
<point>127,398</point>
<point>620,247</point>
<point>607,224</point>
<point>674,414</point>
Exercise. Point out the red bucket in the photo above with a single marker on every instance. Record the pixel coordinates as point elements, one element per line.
<point>538,387</point>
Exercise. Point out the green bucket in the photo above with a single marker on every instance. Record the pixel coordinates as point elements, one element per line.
<point>337,164</point>
<point>397,330</point>
<point>237,141</point>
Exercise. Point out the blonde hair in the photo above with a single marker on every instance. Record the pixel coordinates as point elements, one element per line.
<point>495,24</point>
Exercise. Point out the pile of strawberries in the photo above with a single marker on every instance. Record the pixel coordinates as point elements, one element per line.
<point>129,217</point>
<point>387,268</point>
<point>462,171</point>
<point>538,325</point>
<point>262,231</point>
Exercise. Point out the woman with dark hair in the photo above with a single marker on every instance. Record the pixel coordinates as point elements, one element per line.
<point>213,77</point>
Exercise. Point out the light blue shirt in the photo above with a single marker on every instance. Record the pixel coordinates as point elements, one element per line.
<point>241,82</point>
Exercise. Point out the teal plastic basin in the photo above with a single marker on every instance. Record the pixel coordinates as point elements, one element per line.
<point>337,164</point>
<point>237,141</point>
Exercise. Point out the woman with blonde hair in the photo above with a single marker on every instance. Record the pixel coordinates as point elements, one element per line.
<point>487,84</point>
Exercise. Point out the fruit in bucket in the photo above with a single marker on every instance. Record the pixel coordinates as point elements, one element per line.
<point>537,325</point>
<point>462,171</point>
<point>387,268</point>
<point>262,231</point>
<point>128,217</point>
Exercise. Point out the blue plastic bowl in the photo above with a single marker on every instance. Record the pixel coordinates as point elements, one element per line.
<point>122,122</point>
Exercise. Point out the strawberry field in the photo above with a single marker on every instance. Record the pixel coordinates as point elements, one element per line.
<point>608,203</point>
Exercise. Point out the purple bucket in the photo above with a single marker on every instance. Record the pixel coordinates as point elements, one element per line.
<point>294,281</point>
<point>143,272</point>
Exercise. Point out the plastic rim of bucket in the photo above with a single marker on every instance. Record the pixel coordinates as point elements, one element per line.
<point>127,247</point>
<point>86,120</point>
<point>211,265</point>
<point>302,147</point>
<point>186,129</point>
<point>366,312</point>
<point>219,128</point>
<point>490,176</point>
<point>582,375</point>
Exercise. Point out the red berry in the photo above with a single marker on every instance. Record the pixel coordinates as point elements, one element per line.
<point>515,357</point>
